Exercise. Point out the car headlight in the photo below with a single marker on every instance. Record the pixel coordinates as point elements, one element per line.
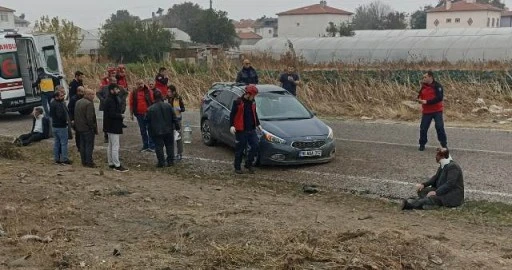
<point>331,134</point>
<point>272,138</point>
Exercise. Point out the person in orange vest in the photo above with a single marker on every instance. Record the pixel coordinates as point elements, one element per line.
<point>161,81</point>
<point>105,81</point>
<point>121,76</point>
<point>244,122</point>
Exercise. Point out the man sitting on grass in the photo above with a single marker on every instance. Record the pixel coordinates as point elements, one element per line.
<point>40,129</point>
<point>445,188</point>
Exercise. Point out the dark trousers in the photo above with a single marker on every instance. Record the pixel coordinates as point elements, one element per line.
<point>86,147</point>
<point>166,140</point>
<point>29,138</point>
<point>426,120</point>
<point>242,140</point>
<point>147,141</point>
<point>77,140</point>
<point>423,202</point>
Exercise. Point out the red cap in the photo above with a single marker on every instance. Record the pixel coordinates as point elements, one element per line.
<point>251,89</point>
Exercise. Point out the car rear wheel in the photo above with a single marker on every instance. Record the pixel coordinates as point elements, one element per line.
<point>207,134</point>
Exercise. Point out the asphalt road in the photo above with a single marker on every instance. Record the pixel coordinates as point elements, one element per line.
<point>372,158</point>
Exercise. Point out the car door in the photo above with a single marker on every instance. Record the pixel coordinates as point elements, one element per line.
<point>226,118</point>
<point>218,115</point>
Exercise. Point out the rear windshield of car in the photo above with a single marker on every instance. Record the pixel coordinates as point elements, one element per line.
<point>9,68</point>
<point>275,106</point>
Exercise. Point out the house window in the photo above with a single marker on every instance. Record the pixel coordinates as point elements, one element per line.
<point>488,22</point>
<point>270,31</point>
<point>4,17</point>
<point>448,20</point>
<point>298,24</point>
<point>493,21</point>
<point>457,20</point>
<point>498,22</point>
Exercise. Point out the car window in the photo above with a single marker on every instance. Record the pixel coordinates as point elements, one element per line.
<point>280,106</point>
<point>226,98</point>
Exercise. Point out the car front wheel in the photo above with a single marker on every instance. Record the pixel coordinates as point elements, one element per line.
<point>207,134</point>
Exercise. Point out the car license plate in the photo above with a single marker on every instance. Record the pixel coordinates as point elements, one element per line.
<point>311,153</point>
<point>15,102</point>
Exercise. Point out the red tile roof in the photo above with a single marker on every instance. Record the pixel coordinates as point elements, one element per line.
<point>245,23</point>
<point>4,9</point>
<point>506,13</point>
<point>465,6</point>
<point>249,35</point>
<point>315,9</point>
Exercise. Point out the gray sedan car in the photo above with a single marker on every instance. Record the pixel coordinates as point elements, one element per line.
<point>291,134</point>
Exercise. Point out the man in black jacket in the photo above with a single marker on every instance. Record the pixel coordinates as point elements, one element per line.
<point>113,126</point>
<point>77,82</point>
<point>162,122</point>
<point>71,109</point>
<point>102,95</point>
<point>247,75</point>
<point>445,188</point>
<point>59,115</point>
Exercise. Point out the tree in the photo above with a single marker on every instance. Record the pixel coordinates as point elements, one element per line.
<point>419,18</point>
<point>125,38</point>
<point>203,26</point>
<point>377,16</point>
<point>68,35</point>
<point>332,30</point>
<point>346,30</point>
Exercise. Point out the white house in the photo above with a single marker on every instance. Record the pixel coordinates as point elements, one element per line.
<point>6,18</point>
<point>244,26</point>
<point>266,27</point>
<point>310,21</point>
<point>464,14</point>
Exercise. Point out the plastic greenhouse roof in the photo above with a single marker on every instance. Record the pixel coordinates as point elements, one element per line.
<point>465,44</point>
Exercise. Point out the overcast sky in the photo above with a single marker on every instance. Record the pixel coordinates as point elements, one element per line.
<point>90,14</point>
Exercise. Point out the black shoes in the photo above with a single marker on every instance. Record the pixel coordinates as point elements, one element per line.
<point>422,148</point>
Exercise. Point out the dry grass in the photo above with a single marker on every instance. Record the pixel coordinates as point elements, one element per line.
<point>358,96</point>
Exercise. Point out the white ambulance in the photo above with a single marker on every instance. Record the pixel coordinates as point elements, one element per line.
<point>20,56</point>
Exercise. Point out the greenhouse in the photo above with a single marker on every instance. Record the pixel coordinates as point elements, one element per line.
<point>452,45</point>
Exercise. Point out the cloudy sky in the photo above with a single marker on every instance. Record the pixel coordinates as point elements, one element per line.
<point>90,14</point>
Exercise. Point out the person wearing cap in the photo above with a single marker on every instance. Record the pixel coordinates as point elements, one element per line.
<point>121,77</point>
<point>247,75</point>
<point>111,72</point>
<point>161,81</point>
<point>445,188</point>
<point>75,83</point>
<point>244,122</point>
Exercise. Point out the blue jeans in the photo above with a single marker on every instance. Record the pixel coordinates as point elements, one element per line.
<point>426,120</point>
<point>60,145</point>
<point>242,140</point>
<point>46,97</point>
<point>147,142</point>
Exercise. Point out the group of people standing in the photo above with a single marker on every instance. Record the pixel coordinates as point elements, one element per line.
<point>158,120</point>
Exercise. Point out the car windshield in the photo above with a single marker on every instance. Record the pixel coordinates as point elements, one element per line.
<point>276,106</point>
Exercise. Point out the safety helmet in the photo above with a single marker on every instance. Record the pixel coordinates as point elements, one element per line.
<point>251,89</point>
<point>121,67</point>
<point>111,70</point>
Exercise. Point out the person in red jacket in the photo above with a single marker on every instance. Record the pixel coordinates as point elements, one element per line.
<point>431,99</point>
<point>140,99</point>
<point>161,81</point>
<point>244,122</point>
<point>111,71</point>
<point>121,76</point>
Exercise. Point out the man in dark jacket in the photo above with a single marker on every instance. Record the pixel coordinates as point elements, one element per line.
<point>289,80</point>
<point>445,188</point>
<point>40,129</point>
<point>87,126</point>
<point>179,107</point>
<point>59,115</point>
<point>162,122</point>
<point>102,95</point>
<point>244,121</point>
<point>77,82</point>
<point>248,74</point>
<point>113,126</point>
<point>46,84</point>
<point>71,109</point>
<point>431,99</point>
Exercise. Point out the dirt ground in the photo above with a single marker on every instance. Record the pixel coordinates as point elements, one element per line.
<point>58,217</point>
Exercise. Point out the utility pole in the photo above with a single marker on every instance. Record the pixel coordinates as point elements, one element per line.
<point>211,4</point>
